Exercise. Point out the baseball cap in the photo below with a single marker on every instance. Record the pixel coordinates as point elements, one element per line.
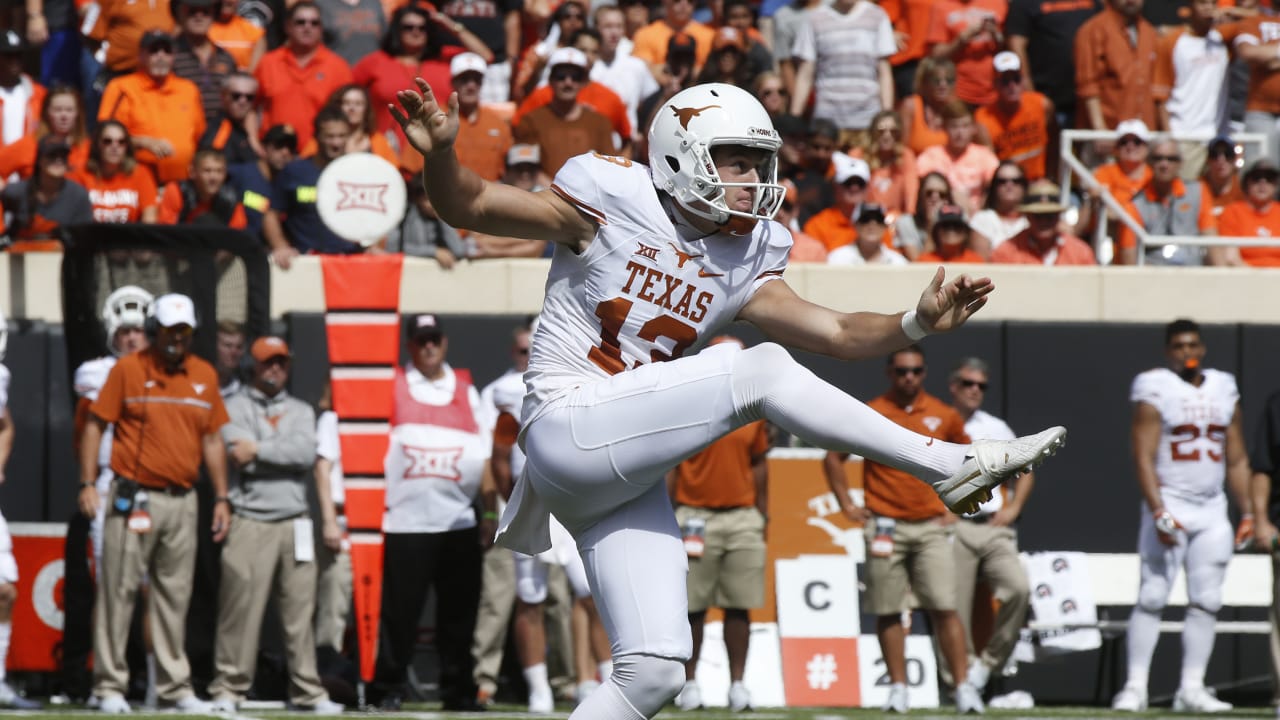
<point>568,56</point>
<point>848,168</point>
<point>950,215</point>
<point>52,147</point>
<point>1222,141</point>
<point>155,38</point>
<point>871,212</point>
<point>279,136</point>
<point>522,154</point>
<point>1008,62</point>
<point>425,325</point>
<point>465,63</point>
<point>11,42</point>
<point>265,348</point>
<point>729,37</point>
<point>1043,198</point>
<point>1261,168</point>
<point>1133,127</point>
<point>174,309</point>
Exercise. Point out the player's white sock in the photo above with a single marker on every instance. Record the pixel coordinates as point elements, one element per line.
<point>1197,645</point>
<point>5,630</point>
<point>536,677</point>
<point>1140,641</point>
<point>150,699</point>
<point>768,383</point>
<point>639,688</point>
<point>605,668</point>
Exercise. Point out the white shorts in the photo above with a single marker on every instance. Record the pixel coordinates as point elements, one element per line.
<point>8,563</point>
<point>1204,548</point>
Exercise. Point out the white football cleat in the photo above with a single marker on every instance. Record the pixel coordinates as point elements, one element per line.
<point>1198,700</point>
<point>897,702</point>
<point>225,705</point>
<point>542,701</point>
<point>739,697</point>
<point>690,697</point>
<point>1130,699</point>
<point>191,705</point>
<point>969,700</point>
<point>978,675</point>
<point>991,462</point>
<point>114,705</point>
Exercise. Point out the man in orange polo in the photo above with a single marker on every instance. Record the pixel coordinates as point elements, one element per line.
<point>833,226</point>
<point>1020,122</point>
<point>162,112</point>
<point>909,534</point>
<point>167,412</point>
<point>484,137</point>
<point>677,17</point>
<point>296,79</point>
<point>1257,215</point>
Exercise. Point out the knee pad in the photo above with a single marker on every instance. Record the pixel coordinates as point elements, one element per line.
<point>648,682</point>
<point>531,579</point>
<point>756,371</point>
<point>1204,588</point>
<point>1153,595</point>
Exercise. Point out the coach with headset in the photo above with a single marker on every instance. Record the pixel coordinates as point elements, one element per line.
<point>167,412</point>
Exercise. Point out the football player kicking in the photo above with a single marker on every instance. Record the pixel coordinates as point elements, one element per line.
<point>650,263</point>
<point>1186,435</point>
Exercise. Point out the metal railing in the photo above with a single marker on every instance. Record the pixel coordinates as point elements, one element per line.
<point>1112,208</point>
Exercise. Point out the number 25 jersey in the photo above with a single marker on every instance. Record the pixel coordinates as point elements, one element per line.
<point>1190,461</point>
<point>645,290</point>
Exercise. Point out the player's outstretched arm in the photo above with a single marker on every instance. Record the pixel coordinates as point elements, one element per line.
<point>787,318</point>
<point>464,199</point>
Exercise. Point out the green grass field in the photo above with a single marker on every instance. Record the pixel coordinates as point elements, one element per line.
<point>507,712</point>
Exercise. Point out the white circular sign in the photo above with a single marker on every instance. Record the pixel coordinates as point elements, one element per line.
<point>44,594</point>
<point>361,197</point>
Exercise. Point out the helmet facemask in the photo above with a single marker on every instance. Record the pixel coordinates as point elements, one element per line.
<point>705,196</point>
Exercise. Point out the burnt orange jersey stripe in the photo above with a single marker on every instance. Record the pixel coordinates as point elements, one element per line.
<point>586,209</point>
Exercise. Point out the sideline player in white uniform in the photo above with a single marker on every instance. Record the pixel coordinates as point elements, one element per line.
<point>124,313</point>
<point>1187,438</point>
<point>8,564</point>
<point>650,264</point>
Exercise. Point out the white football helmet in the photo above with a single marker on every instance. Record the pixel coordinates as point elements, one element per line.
<point>680,140</point>
<point>127,307</point>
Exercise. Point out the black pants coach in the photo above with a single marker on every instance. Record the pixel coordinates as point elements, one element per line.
<point>449,563</point>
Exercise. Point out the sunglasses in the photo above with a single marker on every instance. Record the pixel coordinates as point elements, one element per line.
<point>1009,79</point>
<point>905,371</point>
<point>576,76</point>
<point>415,27</point>
<point>200,11</point>
<point>165,48</point>
<point>773,91</point>
<point>935,193</point>
<point>179,332</point>
<point>1166,158</point>
<point>1131,140</point>
<point>1011,181</point>
<point>1222,155</point>
<point>972,384</point>
<point>110,142</point>
<point>303,22</point>
<point>241,96</point>
<point>278,360</point>
<point>428,339</point>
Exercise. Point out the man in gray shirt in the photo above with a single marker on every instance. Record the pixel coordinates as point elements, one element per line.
<point>271,443</point>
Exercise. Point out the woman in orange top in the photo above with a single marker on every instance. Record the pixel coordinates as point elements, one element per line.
<point>894,180</point>
<point>40,207</point>
<point>922,112</point>
<point>120,190</point>
<point>951,238</point>
<point>245,41</point>
<point>353,102</point>
<point>61,118</point>
<point>1257,215</point>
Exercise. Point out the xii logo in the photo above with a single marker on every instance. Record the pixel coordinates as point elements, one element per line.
<point>432,463</point>
<point>362,196</point>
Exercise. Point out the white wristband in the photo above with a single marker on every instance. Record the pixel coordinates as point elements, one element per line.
<point>912,327</point>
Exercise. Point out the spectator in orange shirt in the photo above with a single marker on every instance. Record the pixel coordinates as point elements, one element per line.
<point>61,118</point>
<point>245,41</point>
<point>894,179</point>
<point>868,248</point>
<point>565,127</point>
<point>1115,57</point>
<point>969,33</point>
<point>37,210</point>
<point>833,226</point>
<point>120,26</point>
<point>804,248</point>
<point>1124,177</point>
<point>484,137</point>
<point>967,165</point>
<point>951,239</point>
<point>1257,215</point>
<point>121,190</point>
<point>353,102</point>
<point>677,17</point>
<point>1020,122</point>
<point>18,88</point>
<point>206,198</point>
<point>935,85</point>
<point>1043,243</point>
<point>296,79</point>
<point>162,111</point>
<point>1221,174</point>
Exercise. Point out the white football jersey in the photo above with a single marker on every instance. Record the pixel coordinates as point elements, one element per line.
<point>647,289</point>
<point>1190,461</point>
<point>505,395</point>
<point>4,388</point>
<point>88,382</point>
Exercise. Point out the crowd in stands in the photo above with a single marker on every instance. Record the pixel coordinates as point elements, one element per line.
<point>906,120</point>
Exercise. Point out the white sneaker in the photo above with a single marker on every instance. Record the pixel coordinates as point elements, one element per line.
<point>968,699</point>
<point>223,705</point>
<point>991,462</point>
<point>690,697</point>
<point>585,688</point>
<point>542,702</point>
<point>978,675</point>
<point>897,701</point>
<point>323,706</point>
<point>1130,699</point>
<point>114,705</point>
<point>11,699</point>
<point>739,697</point>
<point>191,705</point>
<point>1198,700</point>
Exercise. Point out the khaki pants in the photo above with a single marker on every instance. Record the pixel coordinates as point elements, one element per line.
<point>922,563</point>
<point>167,555</point>
<point>991,553</point>
<point>333,595</point>
<point>497,598</point>
<point>257,561</point>
<point>730,572</point>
